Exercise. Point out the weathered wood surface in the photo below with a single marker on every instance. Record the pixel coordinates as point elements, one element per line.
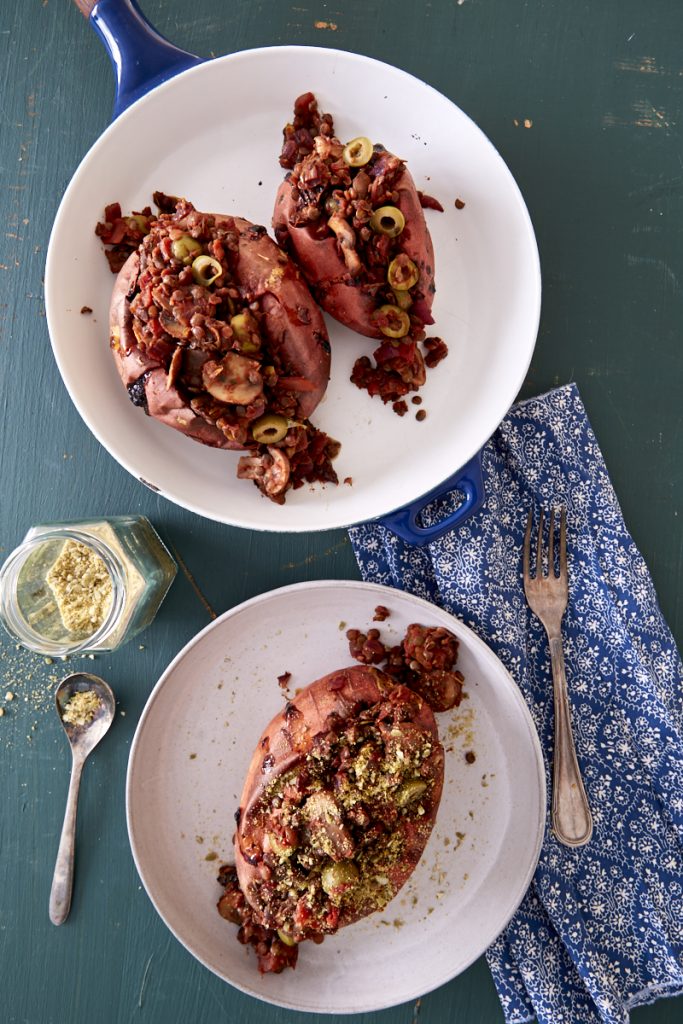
<point>585,103</point>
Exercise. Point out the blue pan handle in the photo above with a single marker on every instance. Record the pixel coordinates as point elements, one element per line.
<point>141,57</point>
<point>468,480</point>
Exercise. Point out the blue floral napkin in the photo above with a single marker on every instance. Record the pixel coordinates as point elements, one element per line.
<point>601,928</point>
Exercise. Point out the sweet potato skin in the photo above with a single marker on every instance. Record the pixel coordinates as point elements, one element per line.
<point>352,302</point>
<point>290,736</point>
<point>292,323</point>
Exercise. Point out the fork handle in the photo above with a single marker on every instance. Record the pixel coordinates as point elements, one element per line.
<point>571,815</point>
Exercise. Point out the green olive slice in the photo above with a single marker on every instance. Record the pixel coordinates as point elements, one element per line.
<point>206,270</point>
<point>138,222</point>
<point>186,249</point>
<point>245,329</point>
<point>357,152</point>
<point>403,300</point>
<point>269,428</point>
<point>398,321</point>
<point>402,273</point>
<point>388,220</point>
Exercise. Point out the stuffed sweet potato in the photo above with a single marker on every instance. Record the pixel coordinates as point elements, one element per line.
<point>352,218</point>
<point>339,801</point>
<point>214,333</point>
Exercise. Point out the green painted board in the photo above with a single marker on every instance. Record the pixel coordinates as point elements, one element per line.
<point>585,104</point>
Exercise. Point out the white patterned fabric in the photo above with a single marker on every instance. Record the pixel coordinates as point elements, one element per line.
<point>601,928</point>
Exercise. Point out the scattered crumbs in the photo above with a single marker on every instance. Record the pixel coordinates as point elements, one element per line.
<point>446,841</point>
<point>220,686</point>
<point>2,712</point>
<point>283,680</point>
<point>331,26</point>
<point>182,835</point>
<point>398,923</point>
<point>471,815</point>
<point>192,757</point>
<point>86,309</point>
<point>413,900</point>
<point>515,122</point>
<point>141,647</point>
<point>484,781</point>
<point>381,613</point>
<point>470,756</point>
<point>386,923</point>
<point>199,839</point>
<point>9,695</point>
<point>48,661</point>
<point>400,407</point>
<point>430,910</point>
<point>460,836</point>
<point>459,205</point>
<point>466,876</point>
<point>420,415</point>
<point>211,855</point>
<point>342,625</point>
<point>348,480</point>
<point>123,714</point>
<point>528,123</point>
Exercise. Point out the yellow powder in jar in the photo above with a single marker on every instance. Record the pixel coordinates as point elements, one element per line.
<point>82,588</point>
<point>80,709</point>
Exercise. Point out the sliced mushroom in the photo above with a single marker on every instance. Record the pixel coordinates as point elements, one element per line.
<point>270,472</point>
<point>172,327</point>
<point>233,379</point>
<point>174,367</point>
<point>325,826</point>
<point>347,241</point>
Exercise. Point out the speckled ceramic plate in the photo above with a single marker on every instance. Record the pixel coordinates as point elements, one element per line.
<point>192,748</point>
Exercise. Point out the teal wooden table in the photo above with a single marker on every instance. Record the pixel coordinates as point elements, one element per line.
<point>585,104</point>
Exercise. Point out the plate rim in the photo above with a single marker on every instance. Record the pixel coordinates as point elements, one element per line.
<point>386,592</point>
<point>340,519</point>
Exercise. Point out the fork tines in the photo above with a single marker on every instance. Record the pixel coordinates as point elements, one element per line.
<point>551,545</point>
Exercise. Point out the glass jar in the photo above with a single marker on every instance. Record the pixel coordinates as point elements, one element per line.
<point>86,585</point>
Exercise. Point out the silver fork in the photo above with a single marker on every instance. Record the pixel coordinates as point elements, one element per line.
<point>547,596</point>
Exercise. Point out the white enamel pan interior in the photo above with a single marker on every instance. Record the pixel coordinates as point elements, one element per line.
<point>213,134</point>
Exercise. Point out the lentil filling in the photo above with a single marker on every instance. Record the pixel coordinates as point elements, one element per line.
<point>336,835</point>
<point>190,315</point>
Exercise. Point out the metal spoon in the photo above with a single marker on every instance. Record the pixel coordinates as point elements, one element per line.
<point>83,738</point>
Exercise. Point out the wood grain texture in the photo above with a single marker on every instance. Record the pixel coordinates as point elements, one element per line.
<point>584,102</point>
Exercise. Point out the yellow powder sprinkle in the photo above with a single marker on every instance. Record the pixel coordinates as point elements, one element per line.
<point>82,588</point>
<point>80,709</point>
